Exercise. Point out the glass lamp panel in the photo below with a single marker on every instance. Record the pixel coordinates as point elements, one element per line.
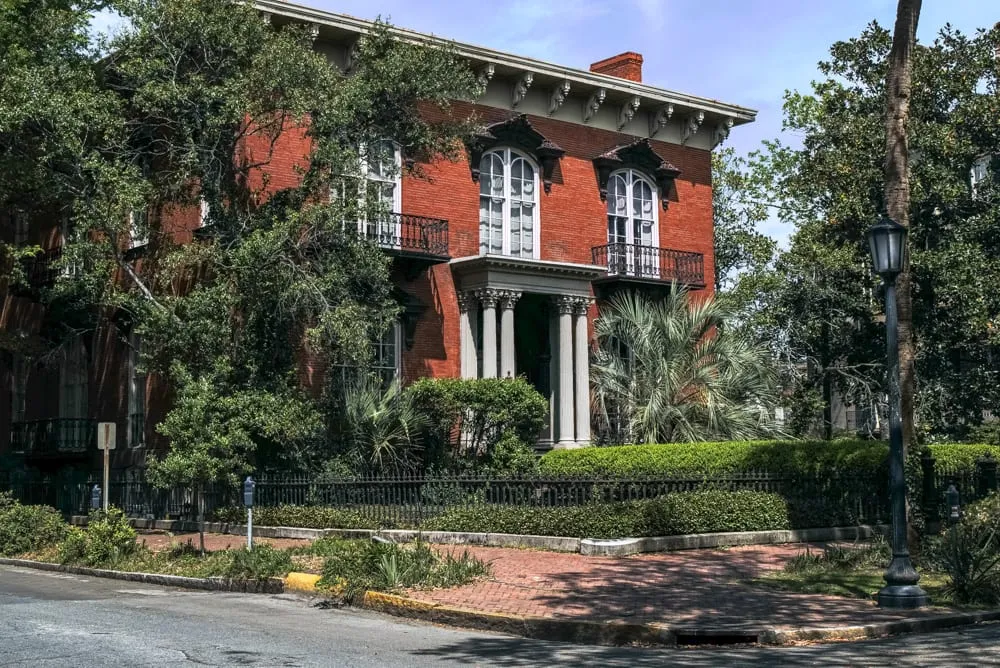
<point>895,248</point>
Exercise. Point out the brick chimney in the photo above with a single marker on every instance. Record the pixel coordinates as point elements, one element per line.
<point>626,65</point>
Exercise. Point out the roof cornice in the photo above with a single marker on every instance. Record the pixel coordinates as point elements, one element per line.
<point>583,81</point>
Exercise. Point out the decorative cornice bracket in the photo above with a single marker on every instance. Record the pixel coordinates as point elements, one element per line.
<point>627,112</point>
<point>691,127</point>
<point>485,75</point>
<point>312,30</point>
<point>521,87</point>
<point>351,57</point>
<point>559,94</point>
<point>721,133</point>
<point>593,104</point>
<point>659,119</point>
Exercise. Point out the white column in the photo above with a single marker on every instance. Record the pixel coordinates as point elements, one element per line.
<point>565,435</point>
<point>467,341</point>
<point>488,298</point>
<point>508,299</point>
<point>581,371</point>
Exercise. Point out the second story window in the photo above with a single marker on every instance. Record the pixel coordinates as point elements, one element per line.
<point>378,193</point>
<point>138,227</point>
<point>18,388</point>
<point>633,233</point>
<point>20,221</point>
<point>508,204</point>
<point>980,172</point>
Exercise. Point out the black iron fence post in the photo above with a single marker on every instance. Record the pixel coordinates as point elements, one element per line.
<point>929,490</point>
<point>986,475</point>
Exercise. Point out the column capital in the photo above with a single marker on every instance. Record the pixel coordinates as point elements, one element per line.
<point>508,298</point>
<point>581,305</point>
<point>488,297</point>
<point>564,304</point>
<point>466,301</point>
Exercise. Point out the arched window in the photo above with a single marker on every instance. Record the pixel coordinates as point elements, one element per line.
<point>633,229</point>
<point>508,204</point>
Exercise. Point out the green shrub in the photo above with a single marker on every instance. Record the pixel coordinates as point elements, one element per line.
<point>309,517</point>
<point>709,511</point>
<point>468,418</point>
<point>970,553</point>
<point>354,566</point>
<point>777,457</point>
<point>961,456</point>
<point>108,539</point>
<point>260,563</point>
<point>28,528</point>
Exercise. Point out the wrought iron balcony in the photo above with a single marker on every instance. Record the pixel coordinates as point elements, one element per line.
<point>408,235</point>
<point>54,437</point>
<point>649,263</point>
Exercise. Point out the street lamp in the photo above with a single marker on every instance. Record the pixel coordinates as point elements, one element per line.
<point>887,242</point>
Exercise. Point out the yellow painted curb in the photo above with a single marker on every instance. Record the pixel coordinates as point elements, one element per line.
<point>305,582</point>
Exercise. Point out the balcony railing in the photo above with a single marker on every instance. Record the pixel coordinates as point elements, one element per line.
<point>52,437</point>
<point>411,235</point>
<point>651,263</point>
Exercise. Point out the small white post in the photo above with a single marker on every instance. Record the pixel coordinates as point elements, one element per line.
<point>106,437</point>
<point>250,528</point>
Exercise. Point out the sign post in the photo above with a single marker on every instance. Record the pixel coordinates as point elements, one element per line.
<point>248,488</point>
<point>106,433</point>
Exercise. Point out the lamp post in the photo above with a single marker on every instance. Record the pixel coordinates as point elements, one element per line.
<point>887,243</point>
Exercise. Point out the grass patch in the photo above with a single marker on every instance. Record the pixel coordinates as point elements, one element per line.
<point>352,567</point>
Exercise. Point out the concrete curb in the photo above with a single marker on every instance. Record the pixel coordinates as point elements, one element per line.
<point>587,546</point>
<point>269,586</point>
<point>614,633</point>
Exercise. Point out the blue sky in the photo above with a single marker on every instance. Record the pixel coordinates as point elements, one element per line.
<point>747,52</point>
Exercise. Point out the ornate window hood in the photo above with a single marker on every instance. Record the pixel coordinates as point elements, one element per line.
<point>516,132</point>
<point>638,155</point>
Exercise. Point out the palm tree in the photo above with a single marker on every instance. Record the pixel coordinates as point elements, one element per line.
<point>669,370</point>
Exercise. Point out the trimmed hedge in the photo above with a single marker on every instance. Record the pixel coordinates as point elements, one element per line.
<point>675,514</point>
<point>306,517</point>
<point>776,457</point>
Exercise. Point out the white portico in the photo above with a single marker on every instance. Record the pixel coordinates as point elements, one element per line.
<point>528,317</point>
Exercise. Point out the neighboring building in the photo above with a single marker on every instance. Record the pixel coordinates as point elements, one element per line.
<point>580,183</point>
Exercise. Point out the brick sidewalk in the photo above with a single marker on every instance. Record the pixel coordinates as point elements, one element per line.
<point>213,541</point>
<point>690,588</point>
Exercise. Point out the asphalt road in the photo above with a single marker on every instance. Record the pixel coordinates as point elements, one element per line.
<point>52,619</point>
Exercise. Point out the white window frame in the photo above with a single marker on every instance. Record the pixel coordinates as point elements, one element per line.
<point>137,239</point>
<point>136,401</point>
<point>203,211</point>
<point>386,234</point>
<point>507,156</point>
<point>979,171</point>
<point>634,263</point>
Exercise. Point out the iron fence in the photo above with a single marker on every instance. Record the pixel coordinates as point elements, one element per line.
<point>407,501</point>
<point>59,435</point>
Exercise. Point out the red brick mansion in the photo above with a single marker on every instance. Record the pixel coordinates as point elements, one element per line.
<point>579,183</point>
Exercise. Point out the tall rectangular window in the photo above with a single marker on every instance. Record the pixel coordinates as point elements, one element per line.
<point>138,224</point>
<point>136,394</point>
<point>18,388</point>
<point>20,223</point>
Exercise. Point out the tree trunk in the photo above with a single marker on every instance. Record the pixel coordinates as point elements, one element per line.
<point>898,86</point>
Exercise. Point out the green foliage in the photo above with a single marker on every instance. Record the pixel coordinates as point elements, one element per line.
<point>860,556</point>
<point>107,540</point>
<point>260,563</point>
<point>670,370</point>
<point>28,528</point>
<point>311,517</point>
<point>961,456</point>
<point>674,514</point>
<point>969,553</point>
<point>381,430</point>
<point>823,311</point>
<point>776,457</point>
<point>353,567</point>
<point>469,419</point>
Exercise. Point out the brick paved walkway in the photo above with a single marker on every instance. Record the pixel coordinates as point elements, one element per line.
<point>690,588</point>
<point>213,541</point>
